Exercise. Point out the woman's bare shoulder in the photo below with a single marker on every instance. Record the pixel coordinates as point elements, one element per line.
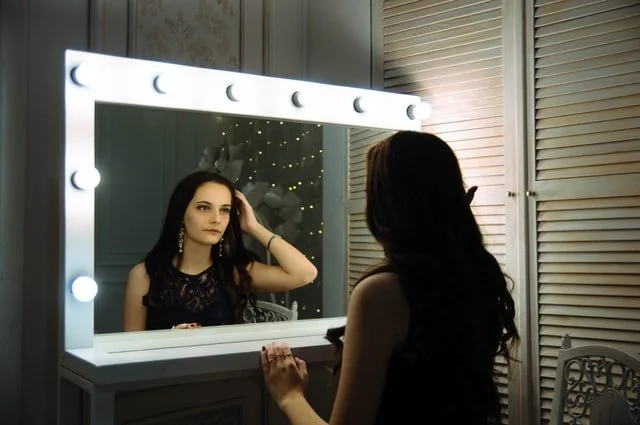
<point>138,275</point>
<point>380,284</point>
<point>381,289</point>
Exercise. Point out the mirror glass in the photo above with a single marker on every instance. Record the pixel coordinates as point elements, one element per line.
<point>296,149</point>
<point>142,152</point>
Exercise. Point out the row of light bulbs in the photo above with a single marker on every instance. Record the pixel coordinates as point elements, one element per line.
<point>84,288</point>
<point>82,75</point>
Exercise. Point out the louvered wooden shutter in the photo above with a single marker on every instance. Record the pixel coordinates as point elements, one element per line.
<point>363,250</point>
<point>450,53</point>
<point>587,177</point>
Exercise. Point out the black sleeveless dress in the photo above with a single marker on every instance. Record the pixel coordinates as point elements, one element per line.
<point>429,383</point>
<point>176,297</point>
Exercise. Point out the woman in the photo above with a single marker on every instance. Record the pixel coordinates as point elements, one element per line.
<point>423,328</point>
<point>199,273</point>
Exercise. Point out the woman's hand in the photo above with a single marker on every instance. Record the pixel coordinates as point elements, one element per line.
<point>285,375</point>
<point>186,326</point>
<point>248,220</point>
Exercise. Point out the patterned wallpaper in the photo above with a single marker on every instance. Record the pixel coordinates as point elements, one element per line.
<point>203,33</point>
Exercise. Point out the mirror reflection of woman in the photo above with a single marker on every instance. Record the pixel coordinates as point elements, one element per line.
<point>199,272</point>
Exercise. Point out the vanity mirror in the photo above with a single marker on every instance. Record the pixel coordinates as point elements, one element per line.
<point>135,127</point>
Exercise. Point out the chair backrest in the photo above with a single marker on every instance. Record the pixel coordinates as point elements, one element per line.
<point>270,312</point>
<point>596,385</point>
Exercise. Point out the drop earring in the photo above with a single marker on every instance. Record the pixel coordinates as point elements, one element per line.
<point>180,239</point>
<point>220,247</point>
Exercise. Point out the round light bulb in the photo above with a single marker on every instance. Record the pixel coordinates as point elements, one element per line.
<point>85,178</point>
<point>235,93</point>
<point>164,84</point>
<point>83,75</point>
<point>419,111</point>
<point>298,99</point>
<point>360,105</point>
<point>84,289</point>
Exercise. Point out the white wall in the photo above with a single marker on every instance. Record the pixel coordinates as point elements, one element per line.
<point>333,47</point>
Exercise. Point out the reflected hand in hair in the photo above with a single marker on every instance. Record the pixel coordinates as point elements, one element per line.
<point>248,220</point>
<point>186,326</point>
<point>285,375</point>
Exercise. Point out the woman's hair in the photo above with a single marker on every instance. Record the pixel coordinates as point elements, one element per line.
<point>159,260</point>
<point>418,209</point>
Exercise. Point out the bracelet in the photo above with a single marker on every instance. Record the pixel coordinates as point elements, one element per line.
<point>271,240</point>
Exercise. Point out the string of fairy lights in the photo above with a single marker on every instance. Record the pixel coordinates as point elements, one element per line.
<point>288,157</point>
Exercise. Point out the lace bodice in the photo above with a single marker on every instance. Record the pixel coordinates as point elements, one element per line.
<point>175,297</point>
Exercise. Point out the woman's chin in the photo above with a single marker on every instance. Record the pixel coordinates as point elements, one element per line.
<point>211,239</point>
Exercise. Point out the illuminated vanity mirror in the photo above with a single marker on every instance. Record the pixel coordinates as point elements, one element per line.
<point>134,128</point>
<point>279,165</point>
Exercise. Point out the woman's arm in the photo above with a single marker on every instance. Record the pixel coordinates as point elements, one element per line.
<point>370,339</point>
<point>293,270</point>
<point>134,317</point>
<point>377,324</point>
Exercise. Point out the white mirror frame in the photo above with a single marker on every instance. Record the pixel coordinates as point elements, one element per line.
<point>92,78</point>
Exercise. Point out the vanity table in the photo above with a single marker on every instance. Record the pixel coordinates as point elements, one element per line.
<point>199,376</point>
<point>133,108</point>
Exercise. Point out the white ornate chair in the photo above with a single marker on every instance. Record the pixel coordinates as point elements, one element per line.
<point>596,385</point>
<point>271,312</point>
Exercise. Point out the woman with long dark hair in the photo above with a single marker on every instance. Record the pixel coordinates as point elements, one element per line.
<point>423,328</point>
<point>199,272</point>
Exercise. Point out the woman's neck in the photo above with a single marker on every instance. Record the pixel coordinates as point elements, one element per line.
<point>195,257</point>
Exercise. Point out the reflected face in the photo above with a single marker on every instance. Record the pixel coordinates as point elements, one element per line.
<point>207,215</point>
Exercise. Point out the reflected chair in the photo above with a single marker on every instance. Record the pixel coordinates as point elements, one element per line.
<point>270,312</point>
<point>596,385</point>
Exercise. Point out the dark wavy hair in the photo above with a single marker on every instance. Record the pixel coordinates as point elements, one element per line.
<point>159,260</point>
<point>418,209</point>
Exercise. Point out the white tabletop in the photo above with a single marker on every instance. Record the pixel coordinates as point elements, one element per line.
<point>135,357</point>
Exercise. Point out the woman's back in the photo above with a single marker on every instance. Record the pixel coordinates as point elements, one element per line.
<point>430,356</point>
<point>429,378</point>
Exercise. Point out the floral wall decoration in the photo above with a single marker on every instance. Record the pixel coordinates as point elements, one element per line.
<point>278,166</point>
<point>203,33</point>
